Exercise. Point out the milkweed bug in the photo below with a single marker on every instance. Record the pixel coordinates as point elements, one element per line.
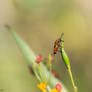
<point>57,44</point>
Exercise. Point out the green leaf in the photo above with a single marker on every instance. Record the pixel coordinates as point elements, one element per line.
<point>30,59</point>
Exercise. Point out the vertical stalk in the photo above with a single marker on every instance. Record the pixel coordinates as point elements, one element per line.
<point>71,77</point>
<point>50,66</point>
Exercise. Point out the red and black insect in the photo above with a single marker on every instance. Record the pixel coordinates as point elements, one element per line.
<point>57,44</point>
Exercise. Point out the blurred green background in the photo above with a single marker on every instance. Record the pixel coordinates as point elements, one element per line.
<point>39,23</point>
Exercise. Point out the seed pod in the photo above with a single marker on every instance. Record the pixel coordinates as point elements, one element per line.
<point>64,56</point>
<point>67,64</point>
<point>38,59</point>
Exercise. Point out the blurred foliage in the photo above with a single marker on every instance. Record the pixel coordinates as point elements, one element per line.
<point>40,23</point>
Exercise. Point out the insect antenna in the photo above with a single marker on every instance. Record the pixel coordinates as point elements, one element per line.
<point>62,35</point>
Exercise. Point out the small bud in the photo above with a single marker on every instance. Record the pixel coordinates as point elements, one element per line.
<point>58,87</point>
<point>38,59</point>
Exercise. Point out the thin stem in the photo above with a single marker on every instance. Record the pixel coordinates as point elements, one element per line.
<point>48,88</point>
<point>50,63</point>
<point>39,71</point>
<point>38,77</point>
<point>50,66</point>
<point>71,77</point>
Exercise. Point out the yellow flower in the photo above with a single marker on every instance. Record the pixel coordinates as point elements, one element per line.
<point>42,86</point>
<point>54,90</point>
<point>44,90</point>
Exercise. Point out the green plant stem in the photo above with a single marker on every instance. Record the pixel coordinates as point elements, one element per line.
<point>71,77</point>
<point>39,69</point>
<point>38,77</point>
<point>50,66</point>
<point>67,64</point>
